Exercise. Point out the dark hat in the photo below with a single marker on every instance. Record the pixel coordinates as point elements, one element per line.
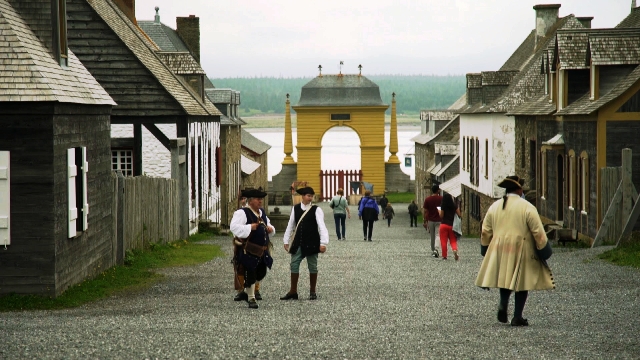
<point>513,182</point>
<point>253,193</point>
<point>306,190</point>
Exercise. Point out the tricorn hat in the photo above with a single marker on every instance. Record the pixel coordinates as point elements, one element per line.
<point>306,190</point>
<point>253,193</point>
<point>512,182</point>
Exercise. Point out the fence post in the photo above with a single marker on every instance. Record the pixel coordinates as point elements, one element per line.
<point>179,173</point>
<point>120,221</point>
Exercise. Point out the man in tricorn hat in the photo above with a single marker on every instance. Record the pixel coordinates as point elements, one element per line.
<point>515,247</point>
<point>305,237</point>
<point>251,229</point>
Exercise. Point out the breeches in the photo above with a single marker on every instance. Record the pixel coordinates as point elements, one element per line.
<point>251,276</point>
<point>296,259</point>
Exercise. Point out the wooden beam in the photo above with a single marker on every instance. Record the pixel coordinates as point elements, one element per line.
<point>137,149</point>
<point>631,222</point>
<point>164,140</point>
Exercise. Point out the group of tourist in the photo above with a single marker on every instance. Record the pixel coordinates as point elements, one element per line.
<point>513,242</point>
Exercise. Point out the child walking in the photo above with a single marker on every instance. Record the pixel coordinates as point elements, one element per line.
<point>389,214</point>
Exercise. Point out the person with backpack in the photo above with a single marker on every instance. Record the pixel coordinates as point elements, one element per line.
<point>368,212</point>
<point>340,212</point>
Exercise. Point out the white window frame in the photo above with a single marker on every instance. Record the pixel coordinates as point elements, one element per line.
<point>5,201</point>
<point>123,158</point>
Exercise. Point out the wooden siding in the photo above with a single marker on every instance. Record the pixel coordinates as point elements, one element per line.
<point>134,88</point>
<point>367,122</point>
<point>89,253</point>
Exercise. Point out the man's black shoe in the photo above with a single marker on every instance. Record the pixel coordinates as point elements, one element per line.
<point>290,297</point>
<point>313,296</point>
<point>502,315</point>
<point>519,322</point>
<point>258,296</point>
<point>241,296</point>
<point>253,304</point>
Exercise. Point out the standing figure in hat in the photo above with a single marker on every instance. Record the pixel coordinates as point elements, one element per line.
<point>251,229</point>
<point>515,250</point>
<point>305,237</point>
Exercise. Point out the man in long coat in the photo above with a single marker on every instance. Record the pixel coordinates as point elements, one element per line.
<point>514,241</point>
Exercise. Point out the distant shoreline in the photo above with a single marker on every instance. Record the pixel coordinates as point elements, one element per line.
<point>277,120</point>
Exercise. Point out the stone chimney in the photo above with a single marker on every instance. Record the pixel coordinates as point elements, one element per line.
<point>546,17</point>
<point>189,30</point>
<point>633,4</point>
<point>128,7</point>
<point>585,21</point>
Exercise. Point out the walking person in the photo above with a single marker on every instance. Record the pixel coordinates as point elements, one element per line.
<point>431,216</point>
<point>368,212</point>
<point>413,213</point>
<point>251,229</point>
<point>305,237</point>
<point>448,210</point>
<point>383,202</point>
<point>340,212</point>
<point>389,214</point>
<point>515,249</point>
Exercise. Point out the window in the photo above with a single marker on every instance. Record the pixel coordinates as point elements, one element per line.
<point>584,181</point>
<point>477,162</point>
<point>77,190</point>
<point>60,31</point>
<point>543,173</point>
<point>571,172</point>
<point>340,117</point>
<point>122,160</point>
<point>5,210</point>
<point>471,164</point>
<point>464,154</point>
<point>486,158</point>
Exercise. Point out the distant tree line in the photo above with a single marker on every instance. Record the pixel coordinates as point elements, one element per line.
<point>413,93</point>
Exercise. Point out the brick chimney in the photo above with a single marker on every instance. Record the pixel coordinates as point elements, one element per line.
<point>546,17</point>
<point>189,30</point>
<point>585,21</point>
<point>128,7</point>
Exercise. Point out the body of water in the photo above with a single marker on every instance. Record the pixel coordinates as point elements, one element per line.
<point>340,148</point>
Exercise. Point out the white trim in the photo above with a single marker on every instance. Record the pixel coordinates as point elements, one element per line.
<point>5,203</point>
<point>72,172</point>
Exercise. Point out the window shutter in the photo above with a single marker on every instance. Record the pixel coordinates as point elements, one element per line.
<point>72,172</point>
<point>5,213</point>
<point>85,198</point>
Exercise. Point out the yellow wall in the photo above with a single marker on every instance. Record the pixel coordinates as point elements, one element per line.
<point>367,122</point>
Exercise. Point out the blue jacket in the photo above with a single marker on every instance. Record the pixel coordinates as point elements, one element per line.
<point>368,209</point>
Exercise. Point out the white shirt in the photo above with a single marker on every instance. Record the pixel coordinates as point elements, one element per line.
<point>322,228</point>
<point>239,226</point>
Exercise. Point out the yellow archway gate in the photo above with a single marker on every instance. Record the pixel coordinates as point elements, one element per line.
<point>340,100</point>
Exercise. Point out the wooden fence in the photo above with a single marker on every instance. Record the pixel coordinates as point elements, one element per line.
<point>618,202</point>
<point>332,180</point>
<point>147,211</point>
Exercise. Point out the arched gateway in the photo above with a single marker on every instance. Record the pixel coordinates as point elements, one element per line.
<point>341,100</point>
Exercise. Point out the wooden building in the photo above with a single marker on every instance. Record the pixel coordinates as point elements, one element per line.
<point>589,112</point>
<point>254,164</point>
<point>491,138</point>
<point>129,66</point>
<point>55,170</point>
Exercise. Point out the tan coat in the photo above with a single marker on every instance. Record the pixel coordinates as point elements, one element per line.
<point>511,261</point>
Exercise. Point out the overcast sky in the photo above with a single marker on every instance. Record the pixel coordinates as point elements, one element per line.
<point>290,38</point>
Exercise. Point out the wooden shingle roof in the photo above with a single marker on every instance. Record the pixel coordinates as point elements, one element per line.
<point>519,57</point>
<point>340,90</point>
<point>253,143</point>
<point>181,63</point>
<point>632,20</point>
<point>571,46</point>
<point>135,40</point>
<point>614,48</point>
<point>165,37</point>
<point>29,72</point>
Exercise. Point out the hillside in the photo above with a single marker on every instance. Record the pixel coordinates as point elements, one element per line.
<point>413,93</point>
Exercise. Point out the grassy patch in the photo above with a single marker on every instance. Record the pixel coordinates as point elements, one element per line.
<point>626,255</point>
<point>403,198</point>
<point>137,274</point>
